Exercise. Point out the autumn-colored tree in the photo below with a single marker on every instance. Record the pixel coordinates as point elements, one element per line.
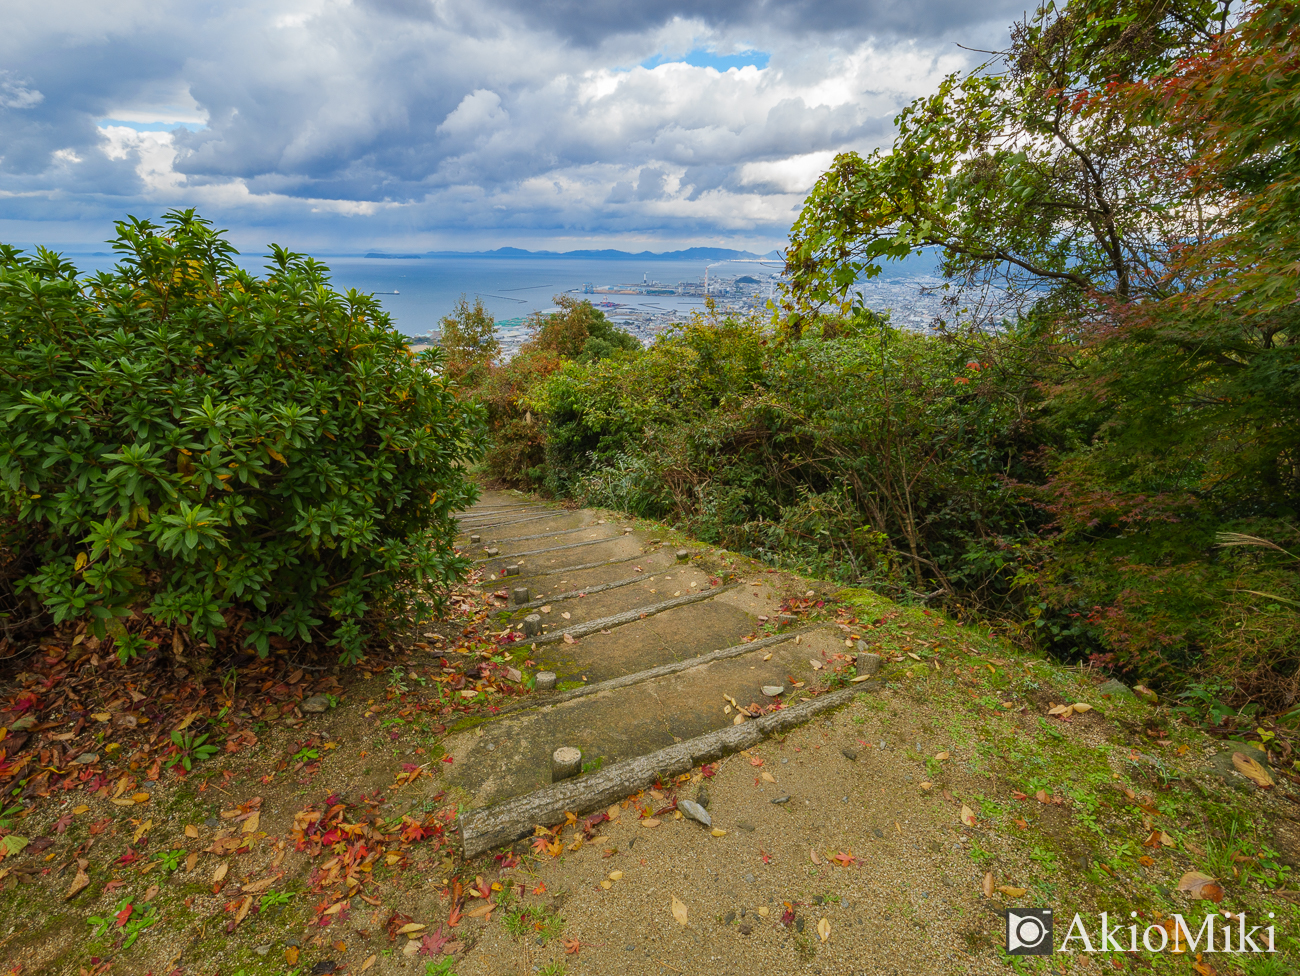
<point>469,341</point>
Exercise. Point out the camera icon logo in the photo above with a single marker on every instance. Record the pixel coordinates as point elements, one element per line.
<point>1030,933</point>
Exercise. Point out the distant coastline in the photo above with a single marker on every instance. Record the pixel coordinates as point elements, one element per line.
<point>689,254</point>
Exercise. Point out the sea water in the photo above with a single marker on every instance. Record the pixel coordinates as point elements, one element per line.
<point>418,292</point>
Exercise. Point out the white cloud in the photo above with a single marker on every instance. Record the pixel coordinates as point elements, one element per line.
<point>453,119</point>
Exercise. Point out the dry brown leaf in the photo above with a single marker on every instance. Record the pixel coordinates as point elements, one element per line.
<point>967,816</point>
<point>823,929</point>
<point>814,856</point>
<point>650,823</point>
<point>568,638</point>
<point>679,911</point>
<point>768,778</point>
<point>1011,891</point>
<point>1201,886</point>
<point>251,824</point>
<point>816,665</point>
<point>370,961</point>
<point>1252,770</point>
<point>1063,710</point>
<point>988,884</point>
<point>1081,707</point>
<point>291,955</point>
<point>141,831</point>
<point>220,872</point>
<point>190,861</point>
<point>257,887</point>
<point>191,831</point>
<point>244,908</point>
<point>81,881</point>
<point>410,927</point>
<point>140,797</point>
<point>941,756</point>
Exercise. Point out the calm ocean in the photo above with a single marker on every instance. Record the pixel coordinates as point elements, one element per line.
<point>417,292</point>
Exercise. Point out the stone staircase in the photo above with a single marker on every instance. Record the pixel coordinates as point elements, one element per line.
<point>648,642</point>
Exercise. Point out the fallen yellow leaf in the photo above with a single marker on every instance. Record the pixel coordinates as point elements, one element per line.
<point>1252,770</point>
<point>220,872</point>
<point>824,929</point>
<point>1011,892</point>
<point>191,831</point>
<point>410,927</point>
<point>967,816</point>
<point>650,823</point>
<point>679,911</point>
<point>718,832</point>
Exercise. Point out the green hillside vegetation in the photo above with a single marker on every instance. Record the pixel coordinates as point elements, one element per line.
<point>1109,465</point>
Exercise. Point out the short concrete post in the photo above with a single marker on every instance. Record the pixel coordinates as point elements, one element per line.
<point>544,681</point>
<point>476,539</point>
<point>532,625</point>
<point>566,762</point>
<point>867,663</point>
<point>520,595</point>
<point>683,555</point>
<point>513,570</point>
<point>493,552</point>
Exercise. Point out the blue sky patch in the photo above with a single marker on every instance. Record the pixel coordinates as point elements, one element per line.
<point>155,126</point>
<point>701,58</point>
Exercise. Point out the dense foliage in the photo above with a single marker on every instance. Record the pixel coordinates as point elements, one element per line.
<point>261,460</point>
<point>1100,441</point>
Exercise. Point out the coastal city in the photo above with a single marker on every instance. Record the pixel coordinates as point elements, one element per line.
<point>649,307</point>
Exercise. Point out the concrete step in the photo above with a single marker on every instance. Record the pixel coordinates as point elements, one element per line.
<point>510,755</point>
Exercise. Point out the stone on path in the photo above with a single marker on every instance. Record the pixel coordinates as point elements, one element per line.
<point>316,703</point>
<point>1116,689</point>
<point>773,690</point>
<point>696,812</point>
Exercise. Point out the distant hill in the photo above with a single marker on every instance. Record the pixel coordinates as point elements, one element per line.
<point>689,254</point>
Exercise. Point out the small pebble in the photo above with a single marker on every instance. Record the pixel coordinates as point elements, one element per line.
<point>849,754</point>
<point>728,918</point>
<point>629,948</point>
<point>746,929</point>
<point>749,879</point>
<point>782,799</point>
<point>740,825</point>
<point>784,761</point>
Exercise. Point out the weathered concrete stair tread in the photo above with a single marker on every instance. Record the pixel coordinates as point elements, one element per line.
<point>630,616</point>
<point>578,568</point>
<point>500,508</point>
<point>541,535</point>
<point>675,667</point>
<point>488,524</point>
<point>536,552</point>
<point>510,820</point>
<point>584,591</point>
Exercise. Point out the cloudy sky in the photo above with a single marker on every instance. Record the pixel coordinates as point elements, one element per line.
<point>345,125</point>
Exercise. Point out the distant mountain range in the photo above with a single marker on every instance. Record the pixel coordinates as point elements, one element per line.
<point>690,254</point>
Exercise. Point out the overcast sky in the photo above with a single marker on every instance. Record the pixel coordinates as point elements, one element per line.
<point>455,124</point>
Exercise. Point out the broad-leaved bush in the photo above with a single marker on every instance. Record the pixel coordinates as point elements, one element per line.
<point>260,460</point>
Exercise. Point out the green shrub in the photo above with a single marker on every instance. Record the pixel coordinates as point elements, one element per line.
<point>577,333</point>
<point>254,459</point>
